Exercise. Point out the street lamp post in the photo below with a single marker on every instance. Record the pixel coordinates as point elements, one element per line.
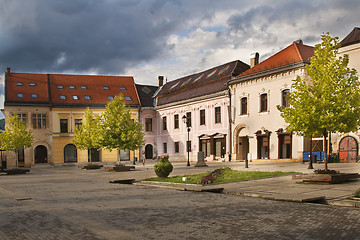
<point>188,139</point>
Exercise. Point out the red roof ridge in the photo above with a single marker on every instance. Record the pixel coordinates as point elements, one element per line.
<point>294,53</point>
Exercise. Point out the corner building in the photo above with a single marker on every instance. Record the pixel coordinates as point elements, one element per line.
<point>53,105</point>
<point>257,128</point>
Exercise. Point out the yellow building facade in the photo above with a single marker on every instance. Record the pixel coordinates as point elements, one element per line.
<point>52,106</point>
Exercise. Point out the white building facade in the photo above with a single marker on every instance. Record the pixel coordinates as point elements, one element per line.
<point>257,127</point>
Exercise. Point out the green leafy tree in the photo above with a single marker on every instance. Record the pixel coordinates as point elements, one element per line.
<point>89,135</point>
<point>119,130</point>
<point>327,102</point>
<point>15,136</point>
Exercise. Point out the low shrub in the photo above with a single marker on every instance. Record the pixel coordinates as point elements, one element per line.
<point>357,193</point>
<point>328,171</point>
<point>211,177</point>
<point>163,167</point>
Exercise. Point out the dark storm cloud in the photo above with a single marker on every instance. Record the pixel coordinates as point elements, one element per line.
<point>82,35</point>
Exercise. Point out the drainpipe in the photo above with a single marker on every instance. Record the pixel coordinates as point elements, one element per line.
<point>230,132</point>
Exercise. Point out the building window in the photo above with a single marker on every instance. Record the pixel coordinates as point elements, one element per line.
<point>87,97</point>
<point>165,147</point>
<point>39,121</point>
<point>78,123</point>
<point>110,98</point>
<point>60,86</point>
<point>20,95</point>
<point>205,146</point>
<point>72,87</point>
<point>284,101</point>
<point>188,145</point>
<point>19,84</point>
<point>176,121</point>
<point>202,117</point>
<point>34,95</point>
<point>188,119</point>
<point>164,123</point>
<point>122,88</point>
<point>83,87</point>
<point>22,117</point>
<point>219,147</point>
<point>148,124</point>
<point>176,147</point>
<point>62,97</point>
<point>218,115</point>
<point>106,88</point>
<point>127,98</point>
<point>243,110</point>
<point>263,102</point>
<point>63,125</point>
<point>74,97</point>
<point>32,84</point>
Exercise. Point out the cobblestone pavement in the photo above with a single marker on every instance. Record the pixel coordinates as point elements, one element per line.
<point>69,203</point>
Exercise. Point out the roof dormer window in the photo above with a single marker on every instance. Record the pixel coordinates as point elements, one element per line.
<point>62,97</point>
<point>106,88</point>
<point>127,98</point>
<point>34,95</point>
<point>87,97</point>
<point>20,95</point>
<point>75,97</point>
<point>32,84</point>
<point>198,78</point>
<point>19,84</point>
<point>213,72</point>
<point>122,88</point>
<point>110,98</point>
<point>72,87</point>
<point>60,86</point>
<point>83,87</point>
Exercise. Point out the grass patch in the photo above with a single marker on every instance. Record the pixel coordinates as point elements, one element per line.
<point>228,175</point>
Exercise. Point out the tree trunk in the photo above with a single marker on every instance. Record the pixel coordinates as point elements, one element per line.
<point>16,158</point>
<point>326,150</point>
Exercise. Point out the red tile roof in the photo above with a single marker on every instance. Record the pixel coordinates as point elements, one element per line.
<point>352,38</point>
<point>19,83</point>
<point>295,53</point>
<point>73,85</point>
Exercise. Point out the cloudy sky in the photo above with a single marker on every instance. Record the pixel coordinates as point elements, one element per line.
<point>148,38</point>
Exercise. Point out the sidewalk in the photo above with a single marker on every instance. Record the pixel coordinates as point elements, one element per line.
<point>281,188</point>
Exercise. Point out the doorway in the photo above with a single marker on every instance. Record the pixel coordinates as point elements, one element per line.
<point>70,153</point>
<point>148,151</point>
<point>243,148</point>
<point>40,153</point>
<point>348,149</point>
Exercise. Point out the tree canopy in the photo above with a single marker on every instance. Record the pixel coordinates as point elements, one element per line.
<point>119,130</point>
<point>15,136</point>
<point>89,135</point>
<point>328,99</point>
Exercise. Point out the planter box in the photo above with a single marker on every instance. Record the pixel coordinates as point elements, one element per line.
<point>16,171</point>
<point>119,168</point>
<point>90,166</point>
<point>325,178</point>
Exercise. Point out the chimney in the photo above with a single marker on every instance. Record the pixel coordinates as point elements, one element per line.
<point>161,80</point>
<point>299,41</point>
<point>254,59</point>
<point>8,71</point>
